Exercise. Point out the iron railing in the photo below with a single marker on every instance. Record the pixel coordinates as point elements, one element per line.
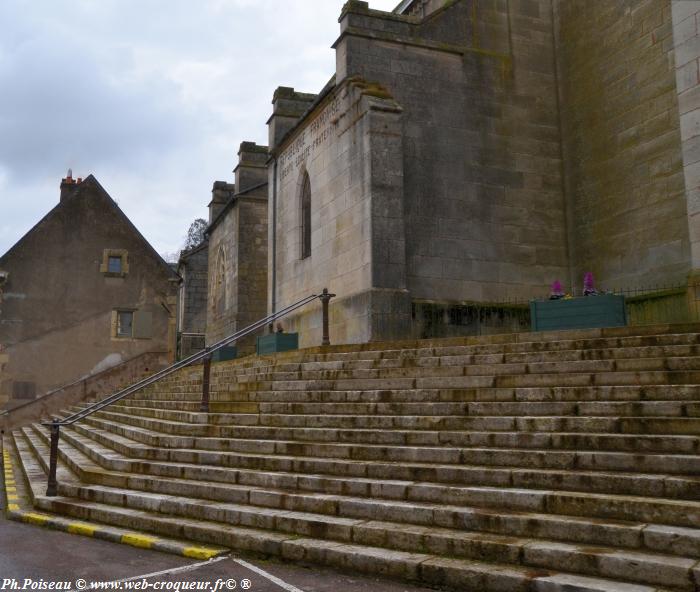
<point>190,343</point>
<point>645,305</point>
<point>204,356</point>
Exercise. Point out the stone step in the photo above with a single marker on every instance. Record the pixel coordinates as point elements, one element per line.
<point>463,366</point>
<point>244,487</point>
<point>629,359</point>
<point>609,424</point>
<point>523,409</point>
<point>132,444</point>
<point>420,381</point>
<point>227,401</point>
<point>554,441</point>
<point>571,502</point>
<point>458,574</point>
<point>585,460</point>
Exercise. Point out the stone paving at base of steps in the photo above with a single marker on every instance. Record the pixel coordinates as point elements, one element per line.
<point>30,553</point>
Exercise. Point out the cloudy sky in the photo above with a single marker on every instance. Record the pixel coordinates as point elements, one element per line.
<point>153,97</point>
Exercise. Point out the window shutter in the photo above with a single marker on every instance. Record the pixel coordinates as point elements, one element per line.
<point>143,324</point>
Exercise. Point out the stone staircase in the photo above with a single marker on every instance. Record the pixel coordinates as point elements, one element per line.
<point>532,462</point>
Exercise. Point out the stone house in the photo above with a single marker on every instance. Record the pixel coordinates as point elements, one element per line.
<point>474,151</point>
<point>83,292</point>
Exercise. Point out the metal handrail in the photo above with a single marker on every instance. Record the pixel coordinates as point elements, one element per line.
<point>205,355</point>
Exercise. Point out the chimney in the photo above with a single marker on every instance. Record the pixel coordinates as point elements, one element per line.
<point>221,193</point>
<point>69,185</point>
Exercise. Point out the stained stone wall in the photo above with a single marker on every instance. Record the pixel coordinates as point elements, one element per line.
<point>622,141</point>
<point>474,151</point>
<point>350,146</point>
<point>483,199</point>
<point>685,17</point>
<point>223,278</point>
<point>193,269</point>
<point>237,294</point>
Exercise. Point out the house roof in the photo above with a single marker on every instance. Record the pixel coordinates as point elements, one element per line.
<point>90,182</point>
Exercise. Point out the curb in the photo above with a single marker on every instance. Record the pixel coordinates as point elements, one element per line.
<point>19,510</point>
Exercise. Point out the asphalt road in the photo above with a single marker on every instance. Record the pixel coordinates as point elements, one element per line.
<point>30,554</point>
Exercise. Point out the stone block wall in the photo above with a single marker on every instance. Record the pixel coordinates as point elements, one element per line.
<point>223,278</point>
<point>350,146</point>
<point>252,260</point>
<point>685,17</point>
<point>237,294</point>
<point>194,268</point>
<point>483,199</point>
<point>622,141</point>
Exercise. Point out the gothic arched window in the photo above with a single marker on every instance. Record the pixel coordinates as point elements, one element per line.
<point>220,284</point>
<point>305,217</point>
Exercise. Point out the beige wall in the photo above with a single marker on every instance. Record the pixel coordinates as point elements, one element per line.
<point>622,142</point>
<point>351,148</point>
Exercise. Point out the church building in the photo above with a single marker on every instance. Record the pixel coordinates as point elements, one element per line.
<point>468,151</point>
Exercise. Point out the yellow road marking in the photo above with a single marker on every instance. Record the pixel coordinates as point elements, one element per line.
<point>138,540</point>
<point>13,507</point>
<point>12,498</point>
<point>81,528</point>
<point>33,518</point>
<point>200,552</point>
<point>11,489</point>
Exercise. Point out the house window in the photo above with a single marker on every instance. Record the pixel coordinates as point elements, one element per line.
<point>306,217</point>
<point>125,323</point>
<point>115,262</point>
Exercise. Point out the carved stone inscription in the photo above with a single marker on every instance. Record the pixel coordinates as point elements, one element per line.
<point>310,139</point>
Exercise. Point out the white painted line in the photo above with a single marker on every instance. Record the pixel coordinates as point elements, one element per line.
<point>174,570</point>
<point>282,584</point>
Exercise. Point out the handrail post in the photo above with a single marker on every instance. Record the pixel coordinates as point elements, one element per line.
<point>206,374</point>
<point>325,299</point>
<point>52,487</point>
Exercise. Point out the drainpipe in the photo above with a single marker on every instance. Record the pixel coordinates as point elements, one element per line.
<point>274,235</point>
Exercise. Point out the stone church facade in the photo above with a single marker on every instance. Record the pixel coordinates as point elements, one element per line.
<point>474,151</point>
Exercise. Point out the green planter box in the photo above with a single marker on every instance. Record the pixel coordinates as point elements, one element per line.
<point>587,312</point>
<point>226,353</point>
<point>276,342</point>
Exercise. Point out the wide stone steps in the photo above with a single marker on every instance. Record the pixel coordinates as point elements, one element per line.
<point>503,494</point>
<point>235,401</point>
<point>591,460</point>
<point>498,423</point>
<point>551,441</point>
<point>283,490</point>
<point>638,484</point>
<point>554,462</point>
<point>277,511</point>
<point>534,408</point>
